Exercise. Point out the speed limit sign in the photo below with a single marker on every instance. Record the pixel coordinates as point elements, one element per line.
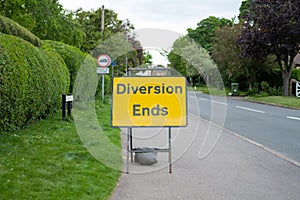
<point>103,60</point>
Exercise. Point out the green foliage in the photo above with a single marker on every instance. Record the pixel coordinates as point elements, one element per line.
<point>46,19</point>
<point>205,31</point>
<point>72,56</point>
<point>91,24</point>
<point>244,8</point>
<point>264,86</point>
<point>295,74</point>
<point>10,27</point>
<point>31,82</point>
<point>254,90</point>
<point>271,28</point>
<point>190,59</point>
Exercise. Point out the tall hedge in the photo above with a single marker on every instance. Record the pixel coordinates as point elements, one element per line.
<point>72,56</point>
<point>10,27</point>
<point>31,82</point>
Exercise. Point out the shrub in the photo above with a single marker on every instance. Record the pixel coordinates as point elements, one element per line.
<point>31,82</point>
<point>264,86</point>
<point>295,74</point>
<point>254,91</point>
<point>72,56</point>
<point>10,27</point>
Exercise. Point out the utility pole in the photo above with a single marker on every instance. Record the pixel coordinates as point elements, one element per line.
<point>102,22</point>
<point>102,35</point>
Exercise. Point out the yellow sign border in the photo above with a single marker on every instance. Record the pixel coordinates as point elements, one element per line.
<point>178,95</point>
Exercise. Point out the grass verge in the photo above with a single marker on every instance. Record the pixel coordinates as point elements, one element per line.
<point>47,160</point>
<point>292,102</point>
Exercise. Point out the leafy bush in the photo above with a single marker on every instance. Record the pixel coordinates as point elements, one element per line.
<point>295,74</point>
<point>10,27</point>
<point>254,91</point>
<point>31,82</point>
<point>274,91</point>
<point>264,86</point>
<point>72,56</point>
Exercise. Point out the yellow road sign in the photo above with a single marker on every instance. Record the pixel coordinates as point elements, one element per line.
<point>149,101</point>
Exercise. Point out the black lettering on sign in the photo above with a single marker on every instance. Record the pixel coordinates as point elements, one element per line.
<point>161,89</point>
<point>145,111</point>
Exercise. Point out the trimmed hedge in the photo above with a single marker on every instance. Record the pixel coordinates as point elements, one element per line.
<point>72,56</point>
<point>31,82</point>
<point>10,27</point>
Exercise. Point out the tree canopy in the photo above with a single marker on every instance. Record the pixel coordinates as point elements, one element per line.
<point>272,27</point>
<point>46,19</point>
<point>205,30</point>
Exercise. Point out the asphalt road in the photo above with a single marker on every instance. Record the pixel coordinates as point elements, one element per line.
<point>273,127</point>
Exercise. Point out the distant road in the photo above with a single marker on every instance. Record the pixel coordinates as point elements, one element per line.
<point>273,127</point>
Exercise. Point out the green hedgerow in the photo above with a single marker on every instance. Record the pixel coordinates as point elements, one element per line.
<point>31,82</point>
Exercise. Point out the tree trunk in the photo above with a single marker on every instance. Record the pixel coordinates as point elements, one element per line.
<point>286,83</point>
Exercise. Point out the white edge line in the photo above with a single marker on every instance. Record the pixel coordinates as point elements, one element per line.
<point>250,109</point>
<point>295,118</point>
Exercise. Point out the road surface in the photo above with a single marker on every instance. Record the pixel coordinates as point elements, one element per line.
<point>274,127</point>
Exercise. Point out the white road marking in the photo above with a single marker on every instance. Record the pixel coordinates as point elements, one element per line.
<point>296,118</point>
<point>250,109</point>
<point>193,97</point>
<point>218,102</point>
<point>202,99</point>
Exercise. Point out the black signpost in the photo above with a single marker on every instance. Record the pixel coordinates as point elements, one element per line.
<point>66,103</point>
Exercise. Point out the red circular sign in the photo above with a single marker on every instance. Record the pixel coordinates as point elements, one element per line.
<point>103,60</point>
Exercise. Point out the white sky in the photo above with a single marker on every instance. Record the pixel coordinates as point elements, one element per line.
<point>173,15</point>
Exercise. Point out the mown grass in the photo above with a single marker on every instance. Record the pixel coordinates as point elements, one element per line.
<point>292,102</point>
<point>47,160</point>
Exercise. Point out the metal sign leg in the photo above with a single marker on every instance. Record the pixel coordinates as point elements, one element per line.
<point>131,144</point>
<point>170,151</point>
<point>127,159</point>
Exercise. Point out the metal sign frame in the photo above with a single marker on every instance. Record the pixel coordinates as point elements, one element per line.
<point>129,141</point>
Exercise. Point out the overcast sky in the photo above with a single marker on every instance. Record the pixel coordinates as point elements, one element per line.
<point>174,15</point>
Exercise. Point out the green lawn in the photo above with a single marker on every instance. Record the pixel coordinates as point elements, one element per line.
<point>47,160</point>
<point>292,102</point>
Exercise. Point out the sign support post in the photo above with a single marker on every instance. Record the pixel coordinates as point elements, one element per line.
<point>102,87</point>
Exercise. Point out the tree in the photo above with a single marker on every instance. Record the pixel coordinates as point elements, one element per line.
<point>272,27</point>
<point>46,19</point>
<point>205,31</point>
<point>190,59</point>
<point>226,53</point>
<point>244,8</point>
<point>116,31</point>
<point>91,24</point>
